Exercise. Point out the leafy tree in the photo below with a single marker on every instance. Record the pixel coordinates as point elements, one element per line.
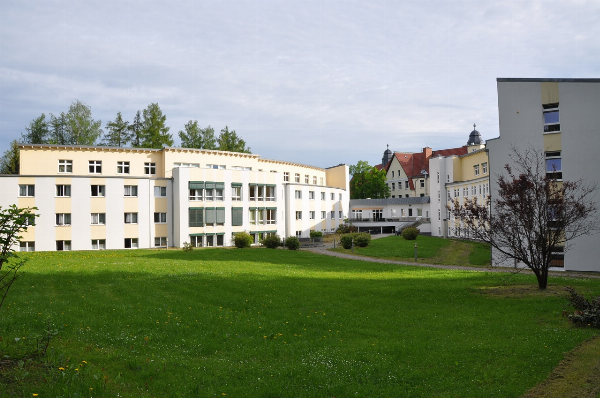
<point>80,128</point>
<point>118,132</point>
<point>38,131</point>
<point>229,141</point>
<point>155,132</point>
<point>58,129</point>
<point>12,222</point>
<point>135,129</point>
<point>367,182</point>
<point>533,215</point>
<point>9,163</point>
<point>196,137</point>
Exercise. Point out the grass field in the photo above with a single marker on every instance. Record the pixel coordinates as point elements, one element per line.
<point>276,323</point>
<point>432,250</point>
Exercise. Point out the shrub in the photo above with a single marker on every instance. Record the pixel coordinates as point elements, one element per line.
<point>346,229</point>
<point>316,234</point>
<point>187,247</point>
<point>272,241</point>
<point>585,312</point>
<point>346,241</point>
<point>292,243</point>
<point>242,240</point>
<point>410,233</point>
<point>362,239</point>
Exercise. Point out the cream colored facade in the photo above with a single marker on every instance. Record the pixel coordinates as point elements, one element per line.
<point>113,198</point>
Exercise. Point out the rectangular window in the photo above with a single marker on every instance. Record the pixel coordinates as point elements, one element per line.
<point>218,167</point>
<point>210,241</point>
<point>160,192</point>
<point>160,218</point>
<point>27,246</point>
<point>551,118</point>
<point>95,167</point>
<point>209,194</point>
<point>270,194</point>
<point>311,195</point>
<point>252,191</point>
<point>323,215</point>
<point>298,215</point>
<point>219,194</point>
<point>65,166</point>
<point>211,216</point>
<point>286,176</point>
<point>237,216</point>
<point>311,215</point>
<point>438,177</point>
<point>393,186</point>
<point>196,217</point>
<point>196,194</point>
<point>422,182</point>
<point>554,165</point>
<point>98,219</point>
<point>406,185</point>
<point>130,218</point>
<point>220,239</point>
<point>98,190</point>
<point>196,240</point>
<point>298,234</point>
<point>252,216</point>
<point>340,196</point>
<point>63,219</point>
<point>131,243</point>
<point>298,194</point>
<point>98,244</point>
<point>321,180</point>
<point>306,177</point>
<point>122,167</point>
<point>260,193</point>
<point>332,214</point>
<point>322,195</point>
<point>314,180</point>
<point>476,169</point>
<point>63,190</point>
<point>27,190</point>
<point>261,216</point>
<point>160,241</point>
<point>297,177</point>
<point>341,215</point>
<point>220,216</point>
<point>149,168</point>
<point>63,245</point>
<point>236,193</point>
<point>130,190</point>
<point>484,167</point>
<point>392,173</point>
<point>271,216</point>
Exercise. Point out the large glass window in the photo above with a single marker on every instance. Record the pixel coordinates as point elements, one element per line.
<point>551,118</point>
<point>196,217</point>
<point>160,192</point>
<point>63,190</point>
<point>65,166</point>
<point>27,246</point>
<point>149,168</point>
<point>286,176</point>
<point>95,166</point>
<point>130,218</point>
<point>98,219</point>
<point>97,190</point>
<point>63,245</point>
<point>131,243</point>
<point>270,193</point>
<point>236,193</point>
<point>197,240</point>
<point>98,244</point>
<point>63,219</point>
<point>554,165</point>
<point>160,218</point>
<point>27,190</point>
<point>122,167</point>
<point>271,216</point>
<point>130,190</point>
<point>237,216</point>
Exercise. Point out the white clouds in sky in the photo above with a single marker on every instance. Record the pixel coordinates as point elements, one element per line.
<point>317,82</point>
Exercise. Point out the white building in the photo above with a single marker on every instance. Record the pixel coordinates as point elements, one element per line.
<point>114,198</point>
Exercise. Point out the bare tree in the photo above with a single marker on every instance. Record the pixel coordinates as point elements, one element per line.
<point>534,216</point>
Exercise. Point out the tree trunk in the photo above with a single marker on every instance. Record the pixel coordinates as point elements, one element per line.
<point>542,279</point>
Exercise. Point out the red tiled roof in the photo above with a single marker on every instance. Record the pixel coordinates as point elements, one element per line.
<point>414,163</point>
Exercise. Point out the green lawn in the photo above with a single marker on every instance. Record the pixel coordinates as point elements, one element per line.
<point>276,323</point>
<point>432,250</point>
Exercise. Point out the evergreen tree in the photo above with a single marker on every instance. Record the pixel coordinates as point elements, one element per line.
<point>135,130</point>
<point>58,129</point>
<point>155,132</point>
<point>195,137</point>
<point>37,132</point>
<point>229,141</point>
<point>9,163</point>
<point>118,132</point>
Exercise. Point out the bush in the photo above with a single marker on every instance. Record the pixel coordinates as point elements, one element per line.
<point>272,241</point>
<point>242,240</point>
<point>187,247</point>
<point>316,234</point>
<point>362,239</point>
<point>292,243</point>
<point>410,233</point>
<point>346,241</point>
<point>346,229</point>
<point>586,313</point>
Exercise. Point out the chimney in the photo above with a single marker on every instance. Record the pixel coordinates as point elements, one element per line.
<point>427,152</point>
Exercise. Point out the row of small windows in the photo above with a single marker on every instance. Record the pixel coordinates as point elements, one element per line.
<point>312,215</point>
<point>28,190</point>
<point>483,169</point>
<point>480,189</point>
<point>64,219</point>
<point>311,195</point>
<point>215,216</point>
<point>406,185</point>
<point>95,167</point>
<point>96,244</point>
<point>307,179</point>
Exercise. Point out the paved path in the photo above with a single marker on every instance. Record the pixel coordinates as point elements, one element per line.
<point>325,251</point>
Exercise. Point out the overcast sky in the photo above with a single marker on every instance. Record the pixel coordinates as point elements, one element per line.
<point>316,82</point>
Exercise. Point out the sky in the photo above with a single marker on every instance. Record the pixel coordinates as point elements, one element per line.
<point>315,82</point>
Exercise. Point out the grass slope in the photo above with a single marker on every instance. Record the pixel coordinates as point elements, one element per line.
<point>275,323</point>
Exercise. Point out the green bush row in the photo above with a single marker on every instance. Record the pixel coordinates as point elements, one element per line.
<point>360,239</point>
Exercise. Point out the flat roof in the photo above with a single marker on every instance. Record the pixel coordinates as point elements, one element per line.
<point>556,80</point>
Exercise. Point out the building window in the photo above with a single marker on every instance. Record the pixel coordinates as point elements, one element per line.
<point>286,176</point>
<point>217,166</point>
<point>439,214</point>
<point>208,194</point>
<point>63,219</point>
<point>332,214</point>
<point>219,194</point>
<point>298,234</point>
<point>551,118</point>
<point>97,190</point>
<point>449,197</point>
<point>270,192</point>
<point>122,167</point>
<point>321,180</point>
<point>439,196</point>
<point>27,190</point>
<point>130,218</point>
<point>95,167</point>
<point>393,186</point>
<point>271,216</point>
<point>196,194</point>
<point>236,193</point>
<point>196,217</point>
<point>406,184</point>
<point>554,165</point>
<point>296,177</point>
<point>130,190</point>
<point>323,215</point>
<point>311,195</point>
<point>476,169</point>
<point>261,216</point>
<point>298,215</point>
<point>160,218</point>
<point>332,196</point>
<point>298,194</point>
<point>314,180</point>
<point>160,192</point>
<point>27,246</point>
<point>422,183</point>
<point>438,177</point>
<point>210,240</point>
<point>322,195</point>
<point>220,240</point>
<point>98,244</point>
<point>306,177</point>
<point>196,240</point>
<point>65,166</point>
<point>392,173</point>
<point>237,216</point>
<point>63,245</point>
<point>484,167</point>
<point>149,168</point>
<point>160,241</point>
<point>311,215</point>
<point>341,215</point>
<point>252,216</point>
<point>252,189</point>
<point>186,165</point>
<point>98,219</point>
<point>131,243</point>
<point>63,190</point>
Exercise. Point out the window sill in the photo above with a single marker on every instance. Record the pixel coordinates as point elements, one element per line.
<point>551,132</point>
